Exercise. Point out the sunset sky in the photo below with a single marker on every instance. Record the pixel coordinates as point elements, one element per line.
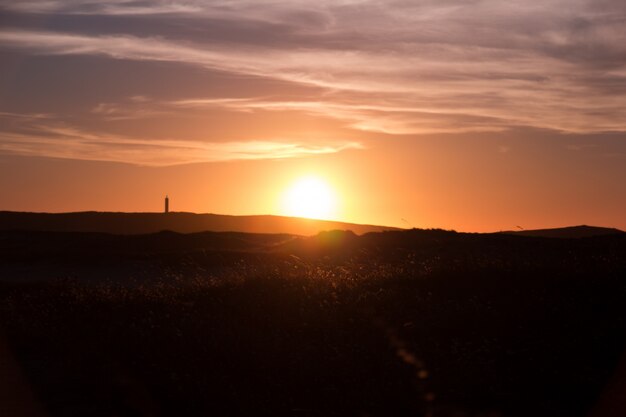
<point>467,115</point>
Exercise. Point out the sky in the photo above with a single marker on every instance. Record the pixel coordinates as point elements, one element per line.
<point>468,115</point>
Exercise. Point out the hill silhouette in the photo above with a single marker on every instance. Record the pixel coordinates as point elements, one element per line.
<point>181,222</point>
<point>569,232</point>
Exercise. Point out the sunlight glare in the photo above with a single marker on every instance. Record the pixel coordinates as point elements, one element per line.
<point>309,197</point>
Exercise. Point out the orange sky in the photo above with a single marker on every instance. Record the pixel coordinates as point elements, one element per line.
<point>468,116</point>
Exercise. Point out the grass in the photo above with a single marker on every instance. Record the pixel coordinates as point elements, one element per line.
<point>399,323</point>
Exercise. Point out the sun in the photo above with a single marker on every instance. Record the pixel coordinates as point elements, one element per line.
<point>310,197</point>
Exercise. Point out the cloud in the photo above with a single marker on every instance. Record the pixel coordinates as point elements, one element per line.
<point>110,7</point>
<point>59,140</point>
<point>136,108</point>
<point>387,119</point>
<point>400,67</point>
<point>507,86</point>
<point>577,147</point>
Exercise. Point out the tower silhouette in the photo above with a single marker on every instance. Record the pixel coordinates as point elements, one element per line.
<point>167,204</point>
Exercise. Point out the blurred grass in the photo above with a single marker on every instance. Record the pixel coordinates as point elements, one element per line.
<point>399,323</point>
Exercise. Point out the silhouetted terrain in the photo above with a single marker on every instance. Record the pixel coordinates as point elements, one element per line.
<point>141,223</point>
<point>397,323</point>
<point>569,232</point>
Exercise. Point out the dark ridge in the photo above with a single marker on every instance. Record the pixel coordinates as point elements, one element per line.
<point>145,223</point>
<point>571,232</point>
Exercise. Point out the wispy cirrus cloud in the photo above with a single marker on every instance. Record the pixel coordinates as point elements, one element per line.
<point>398,68</point>
<point>115,7</point>
<point>51,138</point>
<point>383,118</point>
<point>509,88</point>
<point>158,153</point>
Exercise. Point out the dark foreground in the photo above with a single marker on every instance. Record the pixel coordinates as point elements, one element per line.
<point>389,324</point>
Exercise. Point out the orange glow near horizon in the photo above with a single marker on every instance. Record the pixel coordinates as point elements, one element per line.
<point>310,197</point>
<point>111,110</point>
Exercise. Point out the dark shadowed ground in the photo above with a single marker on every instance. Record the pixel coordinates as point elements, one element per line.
<point>385,324</point>
<point>181,222</point>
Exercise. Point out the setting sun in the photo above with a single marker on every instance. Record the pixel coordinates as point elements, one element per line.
<point>310,197</point>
